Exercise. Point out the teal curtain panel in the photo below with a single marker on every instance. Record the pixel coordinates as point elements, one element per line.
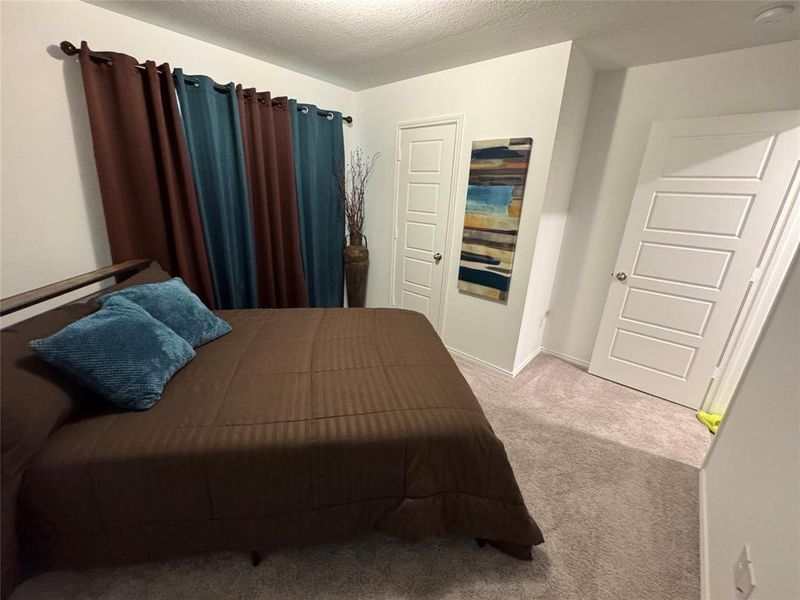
<point>213,132</point>
<point>318,145</point>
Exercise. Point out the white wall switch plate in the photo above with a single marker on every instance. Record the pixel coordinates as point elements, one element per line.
<point>744,579</point>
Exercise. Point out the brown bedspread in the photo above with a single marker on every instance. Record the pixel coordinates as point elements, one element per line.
<point>300,426</point>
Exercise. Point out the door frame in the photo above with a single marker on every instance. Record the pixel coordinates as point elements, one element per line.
<point>779,252</point>
<point>458,121</point>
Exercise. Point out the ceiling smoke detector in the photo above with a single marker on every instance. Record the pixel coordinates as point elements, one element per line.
<point>774,13</point>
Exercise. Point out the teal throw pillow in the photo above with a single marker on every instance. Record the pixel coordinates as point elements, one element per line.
<point>175,305</point>
<point>121,352</point>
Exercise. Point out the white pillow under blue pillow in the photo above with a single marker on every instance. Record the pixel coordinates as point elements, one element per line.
<point>175,305</point>
<point>121,352</point>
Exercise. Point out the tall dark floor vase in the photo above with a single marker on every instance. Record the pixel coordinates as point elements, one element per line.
<point>356,265</point>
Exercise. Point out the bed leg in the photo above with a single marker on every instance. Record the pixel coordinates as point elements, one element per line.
<point>255,557</point>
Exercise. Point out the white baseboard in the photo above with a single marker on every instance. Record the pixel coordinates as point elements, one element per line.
<point>579,362</point>
<point>525,362</point>
<point>705,584</point>
<point>570,359</point>
<point>481,362</point>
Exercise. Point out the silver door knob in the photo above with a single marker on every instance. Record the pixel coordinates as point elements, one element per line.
<point>622,276</point>
<point>437,257</point>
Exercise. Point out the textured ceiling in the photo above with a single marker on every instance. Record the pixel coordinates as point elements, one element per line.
<point>363,43</point>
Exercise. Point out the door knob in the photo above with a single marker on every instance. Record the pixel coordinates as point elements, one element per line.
<point>437,257</point>
<point>622,276</point>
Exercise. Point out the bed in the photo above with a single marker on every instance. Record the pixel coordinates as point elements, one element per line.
<point>300,426</point>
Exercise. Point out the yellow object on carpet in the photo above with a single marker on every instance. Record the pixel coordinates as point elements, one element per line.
<point>710,420</point>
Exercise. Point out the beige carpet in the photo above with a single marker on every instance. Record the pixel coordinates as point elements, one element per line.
<point>609,473</point>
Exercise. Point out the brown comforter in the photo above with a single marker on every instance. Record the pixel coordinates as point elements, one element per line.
<point>300,426</point>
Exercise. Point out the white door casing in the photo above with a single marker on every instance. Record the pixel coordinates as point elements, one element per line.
<point>708,195</point>
<point>426,156</point>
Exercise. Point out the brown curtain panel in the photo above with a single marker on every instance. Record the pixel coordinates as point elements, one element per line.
<point>143,166</point>
<point>267,137</point>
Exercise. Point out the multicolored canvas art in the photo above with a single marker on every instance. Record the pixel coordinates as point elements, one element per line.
<point>494,203</point>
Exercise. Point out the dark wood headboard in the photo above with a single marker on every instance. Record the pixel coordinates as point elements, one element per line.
<point>26,299</point>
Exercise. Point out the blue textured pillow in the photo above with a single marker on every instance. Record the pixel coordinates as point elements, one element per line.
<point>175,305</point>
<point>121,352</point>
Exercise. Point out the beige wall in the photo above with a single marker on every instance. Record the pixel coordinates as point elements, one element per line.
<point>51,215</point>
<point>624,105</point>
<point>52,220</point>
<point>513,96</point>
<point>751,477</point>
<point>549,238</point>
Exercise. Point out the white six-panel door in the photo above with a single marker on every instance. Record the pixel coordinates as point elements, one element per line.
<point>425,173</point>
<point>708,194</point>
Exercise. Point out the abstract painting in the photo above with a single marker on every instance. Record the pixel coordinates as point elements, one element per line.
<point>494,203</point>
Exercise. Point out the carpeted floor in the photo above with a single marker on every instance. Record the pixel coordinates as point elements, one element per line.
<point>609,473</point>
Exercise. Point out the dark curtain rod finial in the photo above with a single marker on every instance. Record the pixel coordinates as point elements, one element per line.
<point>69,49</point>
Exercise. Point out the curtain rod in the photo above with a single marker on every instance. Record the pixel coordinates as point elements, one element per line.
<point>69,49</point>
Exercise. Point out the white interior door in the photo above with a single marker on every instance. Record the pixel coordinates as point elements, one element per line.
<point>426,157</point>
<point>708,194</point>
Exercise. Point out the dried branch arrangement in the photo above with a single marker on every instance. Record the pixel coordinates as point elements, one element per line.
<point>352,182</point>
